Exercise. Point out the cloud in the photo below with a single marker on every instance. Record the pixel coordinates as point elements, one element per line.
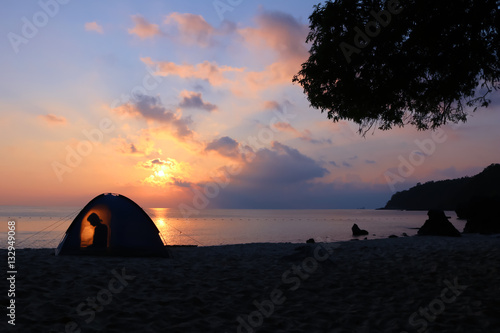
<point>129,148</point>
<point>283,177</point>
<point>305,135</point>
<point>370,162</point>
<point>150,108</point>
<point>166,172</point>
<point>280,32</point>
<point>184,28</point>
<point>237,79</point>
<point>155,162</point>
<point>192,29</point>
<point>280,107</point>
<point>225,146</point>
<point>193,100</point>
<point>94,26</point>
<point>346,164</point>
<point>278,73</point>
<point>136,143</point>
<point>210,71</point>
<point>280,165</point>
<point>53,119</point>
<point>309,195</point>
<point>143,28</point>
<point>133,149</point>
<point>285,36</point>
<point>286,127</point>
<point>334,164</point>
<point>272,105</point>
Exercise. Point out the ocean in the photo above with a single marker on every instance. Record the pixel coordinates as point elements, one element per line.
<point>38,227</point>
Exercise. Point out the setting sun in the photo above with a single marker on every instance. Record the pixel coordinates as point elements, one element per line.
<point>165,172</point>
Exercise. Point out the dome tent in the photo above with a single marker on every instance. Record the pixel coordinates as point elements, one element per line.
<point>112,224</point>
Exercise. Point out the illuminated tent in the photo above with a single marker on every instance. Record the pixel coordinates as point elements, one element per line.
<point>112,224</point>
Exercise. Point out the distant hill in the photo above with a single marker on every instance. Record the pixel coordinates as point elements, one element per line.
<point>448,194</point>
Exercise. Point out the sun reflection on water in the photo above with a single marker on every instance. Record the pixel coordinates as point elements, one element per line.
<point>173,230</point>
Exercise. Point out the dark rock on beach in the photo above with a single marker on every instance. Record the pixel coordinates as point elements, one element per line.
<point>438,225</point>
<point>356,231</point>
<point>482,216</point>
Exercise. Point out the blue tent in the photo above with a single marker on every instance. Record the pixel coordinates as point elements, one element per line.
<point>112,224</point>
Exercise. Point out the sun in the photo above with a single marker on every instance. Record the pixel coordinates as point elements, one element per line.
<point>165,172</point>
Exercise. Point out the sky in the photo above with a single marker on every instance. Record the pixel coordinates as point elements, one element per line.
<point>190,104</point>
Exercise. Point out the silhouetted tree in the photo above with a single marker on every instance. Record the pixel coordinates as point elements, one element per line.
<point>451,194</point>
<point>389,63</point>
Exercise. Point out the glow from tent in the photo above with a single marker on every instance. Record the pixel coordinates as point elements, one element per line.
<point>87,230</point>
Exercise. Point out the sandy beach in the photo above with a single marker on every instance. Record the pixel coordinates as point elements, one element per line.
<point>412,284</point>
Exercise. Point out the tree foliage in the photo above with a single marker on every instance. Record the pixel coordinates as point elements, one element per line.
<point>418,62</point>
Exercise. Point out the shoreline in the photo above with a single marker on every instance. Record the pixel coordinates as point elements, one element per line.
<point>378,285</point>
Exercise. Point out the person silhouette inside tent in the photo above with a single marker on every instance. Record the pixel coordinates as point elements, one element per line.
<point>100,241</point>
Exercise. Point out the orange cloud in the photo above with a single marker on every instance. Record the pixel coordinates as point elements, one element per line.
<point>273,105</point>
<point>279,32</point>
<point>285,36</point>
<point>94,26</point>
<point>143,28</point>
<point>305,135</point>
<point>192,28</point>
<point>275,74</point>
<point>236,78</point>
<point>216,75</point>
<point>53,119</point>
<point>286,127</point>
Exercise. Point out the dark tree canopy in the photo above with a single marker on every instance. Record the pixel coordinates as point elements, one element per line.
<point>388,63</point>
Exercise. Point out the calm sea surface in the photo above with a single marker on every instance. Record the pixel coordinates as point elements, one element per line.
<point>38,227</point>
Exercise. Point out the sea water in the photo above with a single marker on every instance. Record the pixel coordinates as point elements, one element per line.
<point>38,227</point>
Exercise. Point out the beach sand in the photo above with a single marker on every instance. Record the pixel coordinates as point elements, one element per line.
<point>390,285</point>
